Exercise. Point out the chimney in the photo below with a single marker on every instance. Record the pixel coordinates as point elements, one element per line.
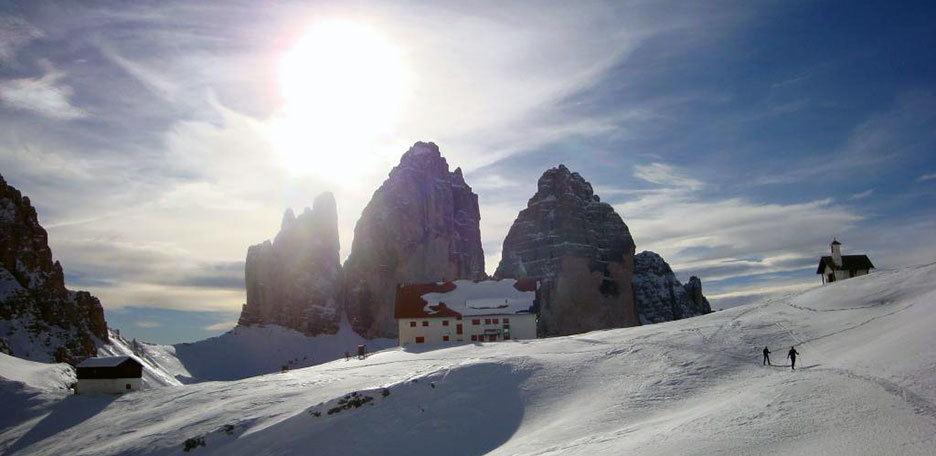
<point>836,252</point>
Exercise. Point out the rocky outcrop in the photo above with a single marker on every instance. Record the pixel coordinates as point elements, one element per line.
<point>40,319</point>
<point>421,225</point>
<point>660,296</point>
<point>295,281</point>
<point>582,250</point>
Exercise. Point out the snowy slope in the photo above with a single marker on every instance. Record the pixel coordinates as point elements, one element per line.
<point>866,385</point>
<point>245,351</point>
<point>42,376</point>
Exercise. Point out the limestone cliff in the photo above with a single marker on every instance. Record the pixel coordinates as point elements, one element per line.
<point>295,280</point>
<point>421,225</point>
<point>40,319</point>
<point>583,251</point>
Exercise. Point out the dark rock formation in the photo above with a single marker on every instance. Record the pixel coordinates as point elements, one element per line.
<point>421,225</point>
<point>295,281</point>
<point>659,295</point>
<point>582,250</point>
<point>39,318</point>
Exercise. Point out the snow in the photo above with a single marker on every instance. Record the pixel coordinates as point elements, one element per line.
<point>245,351</point>
<point>110,361</point>
<point>42,376</point>
<point>865,384</point>
<point>487,297</point>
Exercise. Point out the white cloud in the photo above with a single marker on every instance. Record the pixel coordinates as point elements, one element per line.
<point>663,174</point>
<point>147,324</point>
<point>15,32</point>
<point>863,195</point>
<point>926,177</point>
<point>221,326</point>
<point>45,95</point>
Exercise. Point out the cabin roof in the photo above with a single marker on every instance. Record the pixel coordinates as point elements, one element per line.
<point>466,298</point>
<point>849,263</point>
<point>110,361</point>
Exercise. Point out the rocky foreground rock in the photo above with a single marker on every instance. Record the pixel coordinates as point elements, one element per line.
<point>295,280</point>
<point>583,251</point>
<point>40,319</point>
<point>421,225</point>
<point>660,296</point>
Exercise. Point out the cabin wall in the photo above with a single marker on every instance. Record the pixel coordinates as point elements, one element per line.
<point>476,328</point>
<point>108,385</point>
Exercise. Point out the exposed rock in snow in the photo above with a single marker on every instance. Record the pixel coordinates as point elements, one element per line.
<point>421,225</point>
<point>582,250</point>
<point>40,319</point>
<point>659,296</point>
<point>295,281</point>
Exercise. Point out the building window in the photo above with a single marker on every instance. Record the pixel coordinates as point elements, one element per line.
<point>412,324</point>
<point>426,323</point>
<point>458,328</point>
<point>506,320</point>
<point>496,321</point>
<point>487,321</point>
<point>474,337</point>
<point>444,322</point>
<point>420,339</point>
<point>445,339</point>
<point>458,318</point>
<point>476,321</point>
<point>506,336</point>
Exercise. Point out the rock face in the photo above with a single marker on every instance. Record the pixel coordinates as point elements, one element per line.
<point>40,319</point>
<point>421,225</point>
<point>581,249</point>
<point>295,281</point>
<point>659,295</point>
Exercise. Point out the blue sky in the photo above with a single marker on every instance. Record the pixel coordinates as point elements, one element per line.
<point>734,138</point>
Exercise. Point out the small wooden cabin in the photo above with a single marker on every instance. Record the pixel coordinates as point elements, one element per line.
<point>112,375</point>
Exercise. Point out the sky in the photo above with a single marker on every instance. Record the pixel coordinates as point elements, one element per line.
<point>158,140</point>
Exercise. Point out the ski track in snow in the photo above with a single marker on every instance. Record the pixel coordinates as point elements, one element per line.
<point>864,385</point>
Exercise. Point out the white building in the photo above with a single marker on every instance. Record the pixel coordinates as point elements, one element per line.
<point>466,311</point>
<point>113,375</point>
<point>840,267</point>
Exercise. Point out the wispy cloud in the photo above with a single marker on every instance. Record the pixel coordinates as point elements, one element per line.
<point>45,95</point>
<point>221,326</point>
<point>663,174</point>
<point>926,177</point>
<point>147,324</point>
<point>863,195</point>
<point>14,33</point>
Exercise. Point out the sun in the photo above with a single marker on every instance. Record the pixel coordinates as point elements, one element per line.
<point>342,85</point>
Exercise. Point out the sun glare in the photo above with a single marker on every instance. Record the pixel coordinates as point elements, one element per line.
<point>342,86</point>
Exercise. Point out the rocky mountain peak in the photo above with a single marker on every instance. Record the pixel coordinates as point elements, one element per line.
<point>660,296</point>
<point>421,225</point>
<point>581,248</point>
<point>559,182</point>
<point>39,318</point>
<point>295,281</point>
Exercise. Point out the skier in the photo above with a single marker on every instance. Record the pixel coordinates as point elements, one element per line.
<point>767,356</point>
<point>792,356</point>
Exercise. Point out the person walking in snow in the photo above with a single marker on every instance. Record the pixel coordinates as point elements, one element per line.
<point>791,355</point>
<point>767,356</point>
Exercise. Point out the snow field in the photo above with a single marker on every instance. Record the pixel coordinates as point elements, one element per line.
<point>864,384</point>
